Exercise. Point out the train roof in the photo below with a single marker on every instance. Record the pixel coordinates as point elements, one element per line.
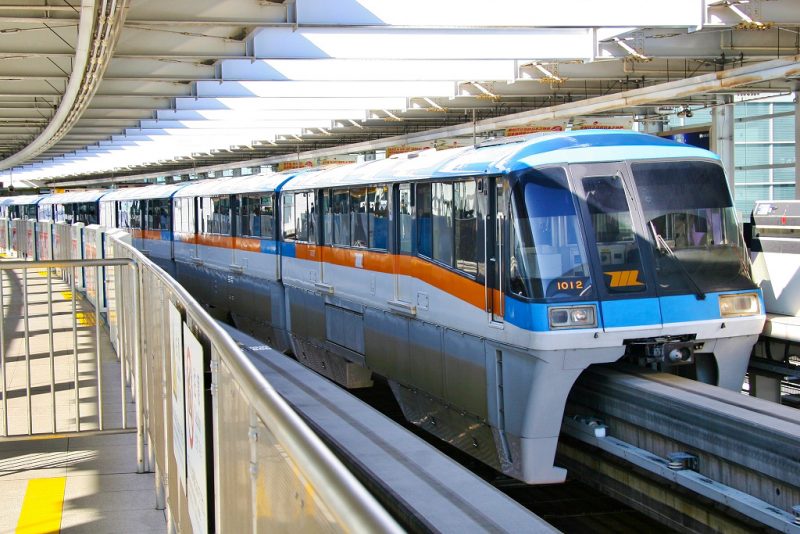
<point>502,156</point>
<point>74,197</point>
<point>235,185</point>
<point>21,200</point>
<point>143,193</point>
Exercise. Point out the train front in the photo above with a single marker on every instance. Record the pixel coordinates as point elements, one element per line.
<point>634,249</point>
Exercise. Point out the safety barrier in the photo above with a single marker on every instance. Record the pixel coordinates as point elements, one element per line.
<point>228,452</point>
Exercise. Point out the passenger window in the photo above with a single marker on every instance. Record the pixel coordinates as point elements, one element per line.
<point>442,209</point>
<point>289,229</point>
<point>466,227</point>
<point>341,217</point>
<point>301,216</point>
<point>358,217</point>
<point>378,216</point>
<point>256,218</point>
<point>215,215</point>
<point>312,217</point>
<point>327,214</point>
<point>424,228</point>
<point>405,219</point>
<point>157,214</point>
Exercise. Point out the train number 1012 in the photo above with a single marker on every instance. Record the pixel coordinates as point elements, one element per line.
<point>569,285</point>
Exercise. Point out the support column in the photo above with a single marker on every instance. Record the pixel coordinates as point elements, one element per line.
<point>722,136</point>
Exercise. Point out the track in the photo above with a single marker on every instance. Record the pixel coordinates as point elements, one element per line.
<point>743,467</point>
<point>572,507</point>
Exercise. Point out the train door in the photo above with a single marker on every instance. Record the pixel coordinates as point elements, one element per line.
<point>616,244</point>
<point>494,237</point>
<point>404,230</point>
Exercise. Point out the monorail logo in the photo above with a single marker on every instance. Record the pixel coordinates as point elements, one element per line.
<point>624,278</point>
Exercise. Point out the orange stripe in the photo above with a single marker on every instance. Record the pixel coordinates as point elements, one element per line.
<point>221,241</point>
<point>248,244</point>
<point>304,251</point>
<point>430,273</point>
<point>381,262</point>
<point>460,287</point>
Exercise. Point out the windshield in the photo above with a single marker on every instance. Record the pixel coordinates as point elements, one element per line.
<point>548,258</point>
<point>695,236</point>
<point>614,235</point>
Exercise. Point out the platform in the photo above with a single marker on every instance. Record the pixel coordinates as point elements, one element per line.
<point>77,483</point>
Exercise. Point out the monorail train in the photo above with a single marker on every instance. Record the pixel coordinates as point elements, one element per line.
<point>20,207</point>
<point>479,281</point>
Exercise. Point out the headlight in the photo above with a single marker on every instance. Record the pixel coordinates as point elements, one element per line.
<point>573,317</point>
<point>739,305</point>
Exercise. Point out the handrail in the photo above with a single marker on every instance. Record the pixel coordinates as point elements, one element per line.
<point>348,500</point>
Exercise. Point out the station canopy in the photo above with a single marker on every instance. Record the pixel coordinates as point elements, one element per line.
<point>92,92</point>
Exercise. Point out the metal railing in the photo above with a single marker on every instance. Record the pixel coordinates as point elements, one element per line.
<point>229,453</point>
<point>30,293</point>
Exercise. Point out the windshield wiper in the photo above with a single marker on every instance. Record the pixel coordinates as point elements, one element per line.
<point>662,245</point>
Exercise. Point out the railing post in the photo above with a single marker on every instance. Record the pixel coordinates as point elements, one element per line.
<point>138,382</point>
<point>3,353</point>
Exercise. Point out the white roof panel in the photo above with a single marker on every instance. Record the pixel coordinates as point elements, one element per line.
<point>138,193</point>
<point>74,197</point>
<point>232,186</point>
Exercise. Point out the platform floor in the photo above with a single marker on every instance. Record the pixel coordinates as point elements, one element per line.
<point>74,484</point>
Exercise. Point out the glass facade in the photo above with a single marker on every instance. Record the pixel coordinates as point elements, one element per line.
<point>764,153</point>
<point>764,160</point>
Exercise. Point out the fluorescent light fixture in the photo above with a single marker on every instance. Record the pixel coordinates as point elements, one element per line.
<point>325,89</point>
<point>245,116</point>
<point>291,103</point>
<point>334,69</point>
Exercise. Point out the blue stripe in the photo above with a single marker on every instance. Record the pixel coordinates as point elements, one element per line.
<point>526,315</point>
<point>683,308</point>
<point>288,250</point>
<point>269,246</point>
<point>630,312</point>
<point>166,235</point>
<point>280,185</point>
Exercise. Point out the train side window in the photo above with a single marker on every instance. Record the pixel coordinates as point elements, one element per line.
<point>179,215</point>
<point>341,217</point>
<point>184,215</point>
<point>312,217</point>
<point>424,220</point>
<point>378,204</point>
<point>405,220</point>
<point>301,216</point>
<point>157,214</point>
<point>466,227</point>
<point>135,214</point>
<point>287,209</point>
<point>327,217</point>
<point>358,216</point>
<point>215,215</point>
<point>256,218</point>
<point>442,209</point>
